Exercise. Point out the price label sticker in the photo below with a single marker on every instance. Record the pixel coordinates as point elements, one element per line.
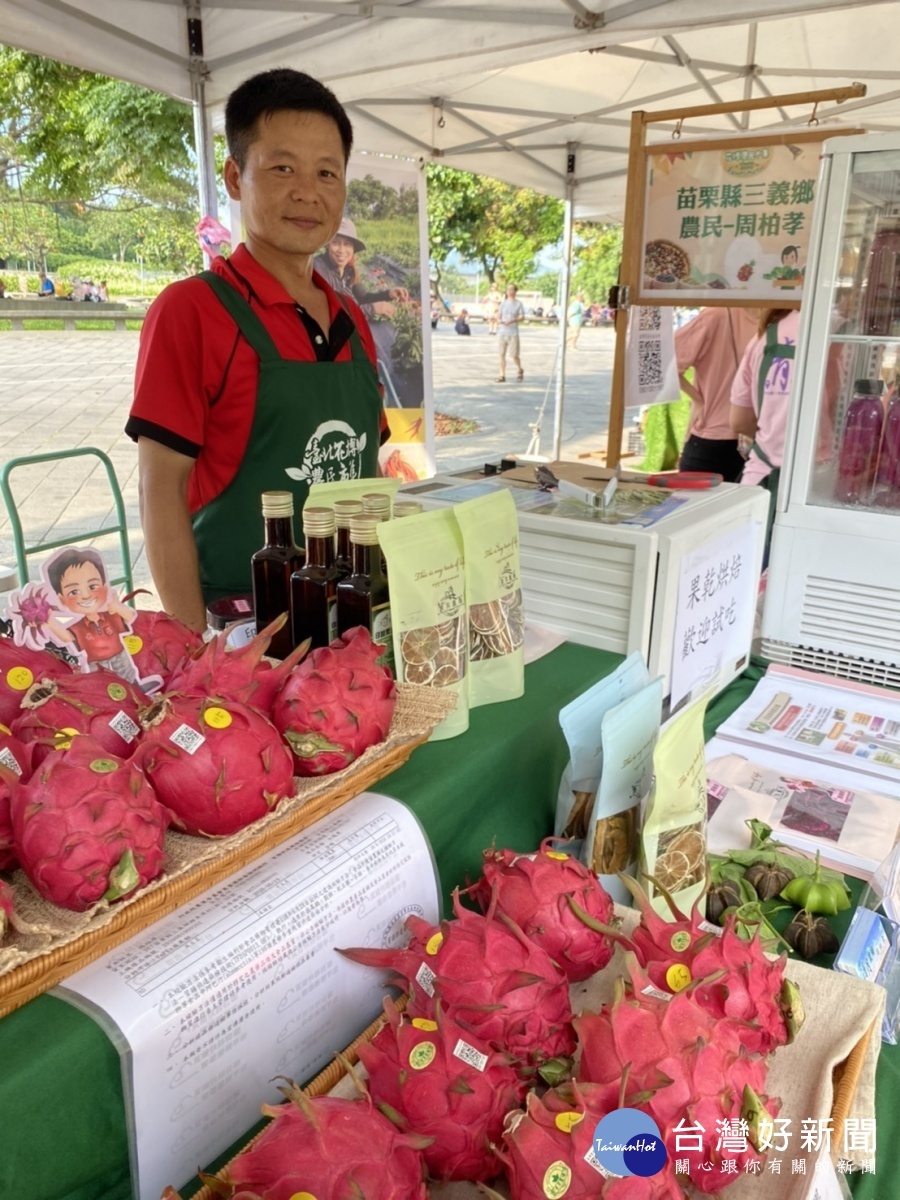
<point>19,679</point>
<point>566,1121</point>
<point>62,739</point>
<point>425,979</point>
<point>678,977</point>
<point>557,854</point>
<point>124,726</point>
<point>424,1024</point>
<point>187,738</point>
<point>468,1054</point>
<point>132,643</point>
<point>434,943</point>
<point>9,760</point>
<point>217,718</point>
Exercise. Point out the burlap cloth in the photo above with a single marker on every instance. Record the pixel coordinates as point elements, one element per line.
<point>839,1011</point>
<point>40,928</point>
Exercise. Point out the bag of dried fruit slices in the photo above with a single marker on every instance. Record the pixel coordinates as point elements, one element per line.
<point>490,533</point>
<point>426,569</point>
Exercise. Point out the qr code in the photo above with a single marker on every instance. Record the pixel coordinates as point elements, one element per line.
<point>468,1054</point>
<point>187,738</point>
<point>649,364</point>
<point>593,1161</point>
<point>124,726</point>
<point>9,760</point>
<point>650,318</point>
<point>425,979</point>
<point>655,992</point>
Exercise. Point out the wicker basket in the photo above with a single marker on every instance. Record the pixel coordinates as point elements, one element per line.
<point>49,943</point>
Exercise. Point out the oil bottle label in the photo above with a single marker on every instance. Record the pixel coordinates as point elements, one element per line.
<point>381,632</point>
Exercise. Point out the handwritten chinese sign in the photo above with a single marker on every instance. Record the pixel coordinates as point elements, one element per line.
<point>731,220</point>
<point>714,614</point>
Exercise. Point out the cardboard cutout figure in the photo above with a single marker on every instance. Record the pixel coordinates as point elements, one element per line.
<point>77,609</point>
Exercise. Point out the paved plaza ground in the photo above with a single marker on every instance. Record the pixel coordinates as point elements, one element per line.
<point>65,390</point>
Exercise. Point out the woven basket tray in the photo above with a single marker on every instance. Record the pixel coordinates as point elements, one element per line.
<point>49,943</point>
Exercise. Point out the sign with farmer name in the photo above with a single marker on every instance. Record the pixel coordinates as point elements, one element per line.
<point>728,221</point>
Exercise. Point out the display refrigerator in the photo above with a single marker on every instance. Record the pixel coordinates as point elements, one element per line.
<point>833,590</point>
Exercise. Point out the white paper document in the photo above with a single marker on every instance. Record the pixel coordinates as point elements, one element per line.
<point>243,983</point>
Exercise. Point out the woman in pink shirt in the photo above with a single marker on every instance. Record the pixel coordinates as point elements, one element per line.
<point>761,391</point>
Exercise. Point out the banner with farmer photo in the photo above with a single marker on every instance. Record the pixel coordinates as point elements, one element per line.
<point>379,256</point>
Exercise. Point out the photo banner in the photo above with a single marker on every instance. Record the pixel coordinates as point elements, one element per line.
<point>729,220</point>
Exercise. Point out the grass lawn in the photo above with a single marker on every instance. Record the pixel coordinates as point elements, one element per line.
<point>49,323</point>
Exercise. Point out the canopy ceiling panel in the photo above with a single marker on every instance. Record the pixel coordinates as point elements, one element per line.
<point>503,88</point>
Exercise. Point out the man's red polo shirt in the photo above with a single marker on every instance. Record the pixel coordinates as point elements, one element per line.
<point>196,377</point>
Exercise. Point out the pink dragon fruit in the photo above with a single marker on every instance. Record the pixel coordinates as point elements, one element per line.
<point>7,907</point>
<point>430,1079</point>
<point>331,1149</point>
<point>99,704</point>
<point>9,781</point>
<point>489,978</point>
<point>87,826</point>
<point>15,755</point>
<point>534,891</point>
<point>19,668</point>
<point>158,643</point>
<point>242,675</point>
<point>336,704</point>
<point>216,764</point>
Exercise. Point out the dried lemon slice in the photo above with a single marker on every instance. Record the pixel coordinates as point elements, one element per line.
<point>420,645</point>
<point>421,673</point>
<point>446,668</point>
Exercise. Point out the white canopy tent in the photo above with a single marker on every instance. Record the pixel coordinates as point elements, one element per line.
<point>535,92</point>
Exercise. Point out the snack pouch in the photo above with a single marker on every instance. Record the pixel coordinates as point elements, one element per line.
<point>581,724</point>
<point>490,534</point>
<point>673,828</point>
<point>323,495</point>
<point>425,562</point>
<point>629,732</point>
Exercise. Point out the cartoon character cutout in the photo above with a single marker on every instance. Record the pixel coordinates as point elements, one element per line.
<point>76,608</point>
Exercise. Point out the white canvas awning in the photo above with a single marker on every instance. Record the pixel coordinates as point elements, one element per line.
<point>505,89</point>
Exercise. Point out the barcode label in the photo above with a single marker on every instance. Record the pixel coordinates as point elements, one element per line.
<point>187,738</point>
<point>593,1161</point>
<point>9,760</point>
<point>124,726</point>
<point>425,979</point>
<point>656,992</point>
<point>468,1054</point>
<point>708,927</point>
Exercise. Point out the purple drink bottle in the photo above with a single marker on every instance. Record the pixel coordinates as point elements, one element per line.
<point>860,442</point>
<point>881,294</point>
<point>887,477</point>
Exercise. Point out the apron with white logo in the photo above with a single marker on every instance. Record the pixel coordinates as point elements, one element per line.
<point>314,422</point>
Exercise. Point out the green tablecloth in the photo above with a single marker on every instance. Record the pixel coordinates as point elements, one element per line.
<point>63,1124</point>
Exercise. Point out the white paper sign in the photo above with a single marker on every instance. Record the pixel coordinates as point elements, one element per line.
<point>716,606</point>
<point>243,983</point>
<point>651,371</point>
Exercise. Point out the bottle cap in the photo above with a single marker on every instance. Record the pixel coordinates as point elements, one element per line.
<point>344,510</point>
<point>868,387</point>
<point>318,522</point>
<point>278,504</point>
<point>364,530</point>
<point>407,508</point>
<point>377,504</point>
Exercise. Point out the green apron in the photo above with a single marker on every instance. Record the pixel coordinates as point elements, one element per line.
<point>313,422</point>
<point>772,350</point>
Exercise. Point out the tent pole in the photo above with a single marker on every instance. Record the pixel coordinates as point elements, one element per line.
<point>203,140</point>
<point>564,300</point>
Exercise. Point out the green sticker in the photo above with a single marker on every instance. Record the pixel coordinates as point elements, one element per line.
<point>680,941</point>
<point>115,691</point>
<point>422,1055</point>
<point>103,766</point>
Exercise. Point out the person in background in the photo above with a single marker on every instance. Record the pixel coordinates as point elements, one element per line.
<point>78,289</point>
<point>462,324</point>
<point>510,317</point>
<point>713,344</point>
<point>46,287</point>
<point>492,309</point>
<point>103,292</point>
<point>2,289</point>
<point>575,319</point>
<point>256,374</point>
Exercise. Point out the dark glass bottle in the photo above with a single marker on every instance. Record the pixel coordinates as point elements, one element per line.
<point>379,506</point>
<point>363,597</point>
<point>313,586</point>
<point>343,511</point>
<point>272,566</point>
<point>407,508</point>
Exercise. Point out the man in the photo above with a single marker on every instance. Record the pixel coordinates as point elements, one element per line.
<point>576,320</point>
<point>45,287</point>
<point>254,375</point>
<point>512,314</point>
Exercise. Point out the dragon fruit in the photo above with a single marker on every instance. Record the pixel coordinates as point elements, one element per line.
<point>430,1079</point>
<point>534,890</point>
<point>331,1149</point>
<point>19,668</point>
<point>216,764</point>
<point>87,826</point>
<point>336,704</point>
<point>158,643</point>
<point>9,781</point>
<point>242,674</point>
<point>7,907</point>
<point>100,704</point>
<point>15,755</point>
<point>489,978</point>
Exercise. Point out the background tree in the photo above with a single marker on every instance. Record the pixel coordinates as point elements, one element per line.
<point>597,259</point>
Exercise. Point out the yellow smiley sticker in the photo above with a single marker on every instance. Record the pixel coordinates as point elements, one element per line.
<point>678,977</point>
<point>566,1121</point>
<point>558,854</point>
<point>217,718</point>
<point>422,1055</point>
<point>434,943</point>
<point>424,1024</point>
<point>132,643</point>
<point>19,679</point>
<point>62,739</point>
<point>680,940</point>
<point>302,1196</point>
<point>3,729</point>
